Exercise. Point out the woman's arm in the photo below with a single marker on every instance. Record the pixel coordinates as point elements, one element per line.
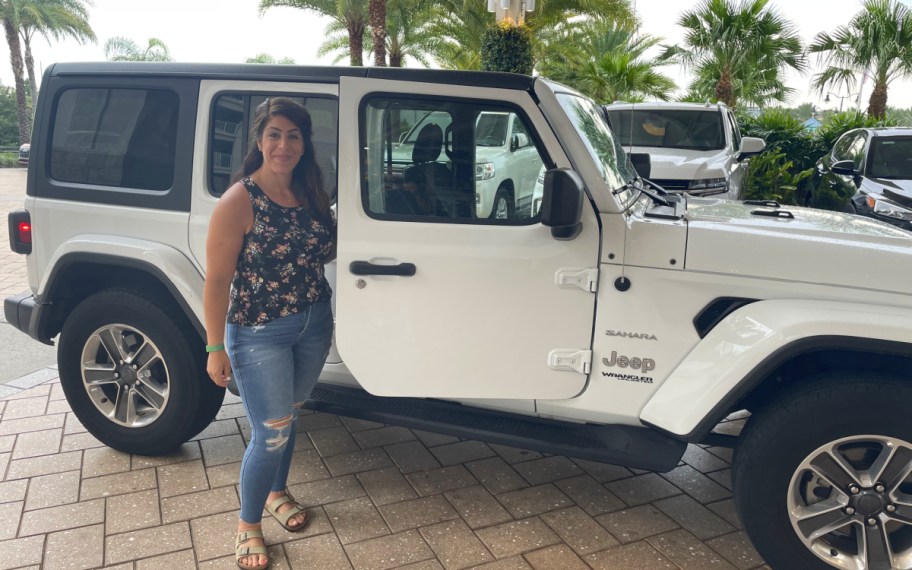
<point>231,219</point>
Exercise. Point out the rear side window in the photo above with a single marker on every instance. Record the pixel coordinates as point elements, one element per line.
<point>230,136</point>
<point>115,137</point>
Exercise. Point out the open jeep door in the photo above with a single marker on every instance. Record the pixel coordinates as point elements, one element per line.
<point>433,301</point>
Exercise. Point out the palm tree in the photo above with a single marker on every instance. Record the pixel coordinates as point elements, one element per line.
<point>877,41</point>
<point>459,29</point>
<point>350,15</point>
<point>52,19</point>
<point>408,27</point>
<point>11,11</point>
<point>125,49</point>
<point>377,10</point>
<point>604,60</point>
<point>738,46</point>
<point>263,57</point>
<point>462,24</point>
<point>409,33</point>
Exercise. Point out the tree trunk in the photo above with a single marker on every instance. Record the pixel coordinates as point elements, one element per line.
<point>877,104</point>
<point>356,43</point>
<point>725,91</point>
<point>25,123</point>
<point>396,60</point>
<point>378,30</point>
<point>30,69</point>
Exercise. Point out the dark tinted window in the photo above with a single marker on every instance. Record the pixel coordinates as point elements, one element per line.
<point>891,158</point>
<point>686,129</point>
<point>115,137</point>
<point>230,136</point>
<point>841,150</point>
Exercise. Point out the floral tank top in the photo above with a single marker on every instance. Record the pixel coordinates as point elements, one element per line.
<point>280,267</point>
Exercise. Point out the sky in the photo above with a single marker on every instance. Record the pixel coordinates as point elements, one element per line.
<point>232,30</point>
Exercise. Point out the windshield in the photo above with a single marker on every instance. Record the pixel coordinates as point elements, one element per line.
<point>592,127</point>
<point>666,128</point>
<point>891,158</point>
<point>491,129</point>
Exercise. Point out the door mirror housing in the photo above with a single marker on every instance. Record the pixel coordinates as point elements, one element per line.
<point>518,141</point>
<point>750,146</point>
<point>641,163</point>
<point>562,203</point>
<point>844,168</point>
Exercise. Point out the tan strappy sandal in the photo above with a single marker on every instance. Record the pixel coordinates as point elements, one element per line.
<point>283,517</point>
<point>242,551</point>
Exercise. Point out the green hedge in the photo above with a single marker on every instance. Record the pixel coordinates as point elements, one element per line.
<point>781,171</point>
<point>9,159</point>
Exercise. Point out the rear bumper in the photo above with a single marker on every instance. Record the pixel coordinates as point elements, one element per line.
<point>23,312</point>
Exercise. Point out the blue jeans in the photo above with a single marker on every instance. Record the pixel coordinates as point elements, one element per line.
<point>276,366</point>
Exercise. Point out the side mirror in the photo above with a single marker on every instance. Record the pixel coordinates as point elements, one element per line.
<point>562,203</point>
<point>844,168</point>
<point>641,163</point>
<point>517,141</point>
<point>750,146</point>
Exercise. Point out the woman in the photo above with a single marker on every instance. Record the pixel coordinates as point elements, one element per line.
<point>269,237</point>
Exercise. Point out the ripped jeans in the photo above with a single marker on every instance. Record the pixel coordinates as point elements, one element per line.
<point>276,366</point>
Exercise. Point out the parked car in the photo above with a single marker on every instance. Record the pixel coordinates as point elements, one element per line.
<point>506,161</point>
<point>694,148</point>
<point>869,172</point>
<point>616,324</point>
<point>24,153</point>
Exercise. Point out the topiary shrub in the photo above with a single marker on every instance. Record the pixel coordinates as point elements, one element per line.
<point>507,46</point>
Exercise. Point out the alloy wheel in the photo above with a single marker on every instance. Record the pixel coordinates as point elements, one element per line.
<point>850,503</point>
<point>125,375</point>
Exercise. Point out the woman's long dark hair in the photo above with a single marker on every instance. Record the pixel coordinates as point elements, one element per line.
<point>306,178</point>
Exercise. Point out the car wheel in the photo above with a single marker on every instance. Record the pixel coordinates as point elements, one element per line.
<point>503,204</point>
<point>130,374</point>
<point>822,475</point>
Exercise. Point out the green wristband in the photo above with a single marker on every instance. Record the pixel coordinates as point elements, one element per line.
<point>214,347</point>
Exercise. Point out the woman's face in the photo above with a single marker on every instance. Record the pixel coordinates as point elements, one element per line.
<point>282,145</point>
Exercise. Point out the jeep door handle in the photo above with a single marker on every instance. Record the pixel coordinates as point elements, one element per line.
<point>368,268</point>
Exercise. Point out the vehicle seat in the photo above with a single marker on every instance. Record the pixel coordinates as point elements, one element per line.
<point>425,179</point>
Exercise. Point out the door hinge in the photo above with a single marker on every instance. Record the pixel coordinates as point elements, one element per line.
<point>570,360</point>
<point>585,279</point>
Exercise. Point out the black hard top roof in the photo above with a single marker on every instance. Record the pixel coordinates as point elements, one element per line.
<point>317,74</point>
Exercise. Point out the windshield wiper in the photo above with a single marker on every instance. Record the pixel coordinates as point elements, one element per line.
<point>655,196</point>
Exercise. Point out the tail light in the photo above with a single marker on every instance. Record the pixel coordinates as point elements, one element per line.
<point>20,231</point>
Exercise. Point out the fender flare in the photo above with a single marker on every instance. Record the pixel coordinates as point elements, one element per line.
<point>756,339</point>
<point>167,265</point>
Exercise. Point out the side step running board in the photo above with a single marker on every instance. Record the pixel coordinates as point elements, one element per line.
<point>630,446</point>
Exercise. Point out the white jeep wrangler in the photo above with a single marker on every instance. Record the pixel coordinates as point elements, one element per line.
<point>612,323</point>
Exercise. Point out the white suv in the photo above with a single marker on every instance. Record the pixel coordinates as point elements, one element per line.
<point>694,148</point>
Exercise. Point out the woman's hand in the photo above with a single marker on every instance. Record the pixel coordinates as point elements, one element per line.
<point>219,368</point>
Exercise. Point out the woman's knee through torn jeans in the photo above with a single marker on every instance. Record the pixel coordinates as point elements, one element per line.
<point>275,365</point>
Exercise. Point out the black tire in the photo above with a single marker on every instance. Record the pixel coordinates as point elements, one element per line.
<point>170,397</point>
<point>854,415</point>
<point>503,207</point>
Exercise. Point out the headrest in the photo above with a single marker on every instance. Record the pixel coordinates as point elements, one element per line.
<point>428,144</point>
